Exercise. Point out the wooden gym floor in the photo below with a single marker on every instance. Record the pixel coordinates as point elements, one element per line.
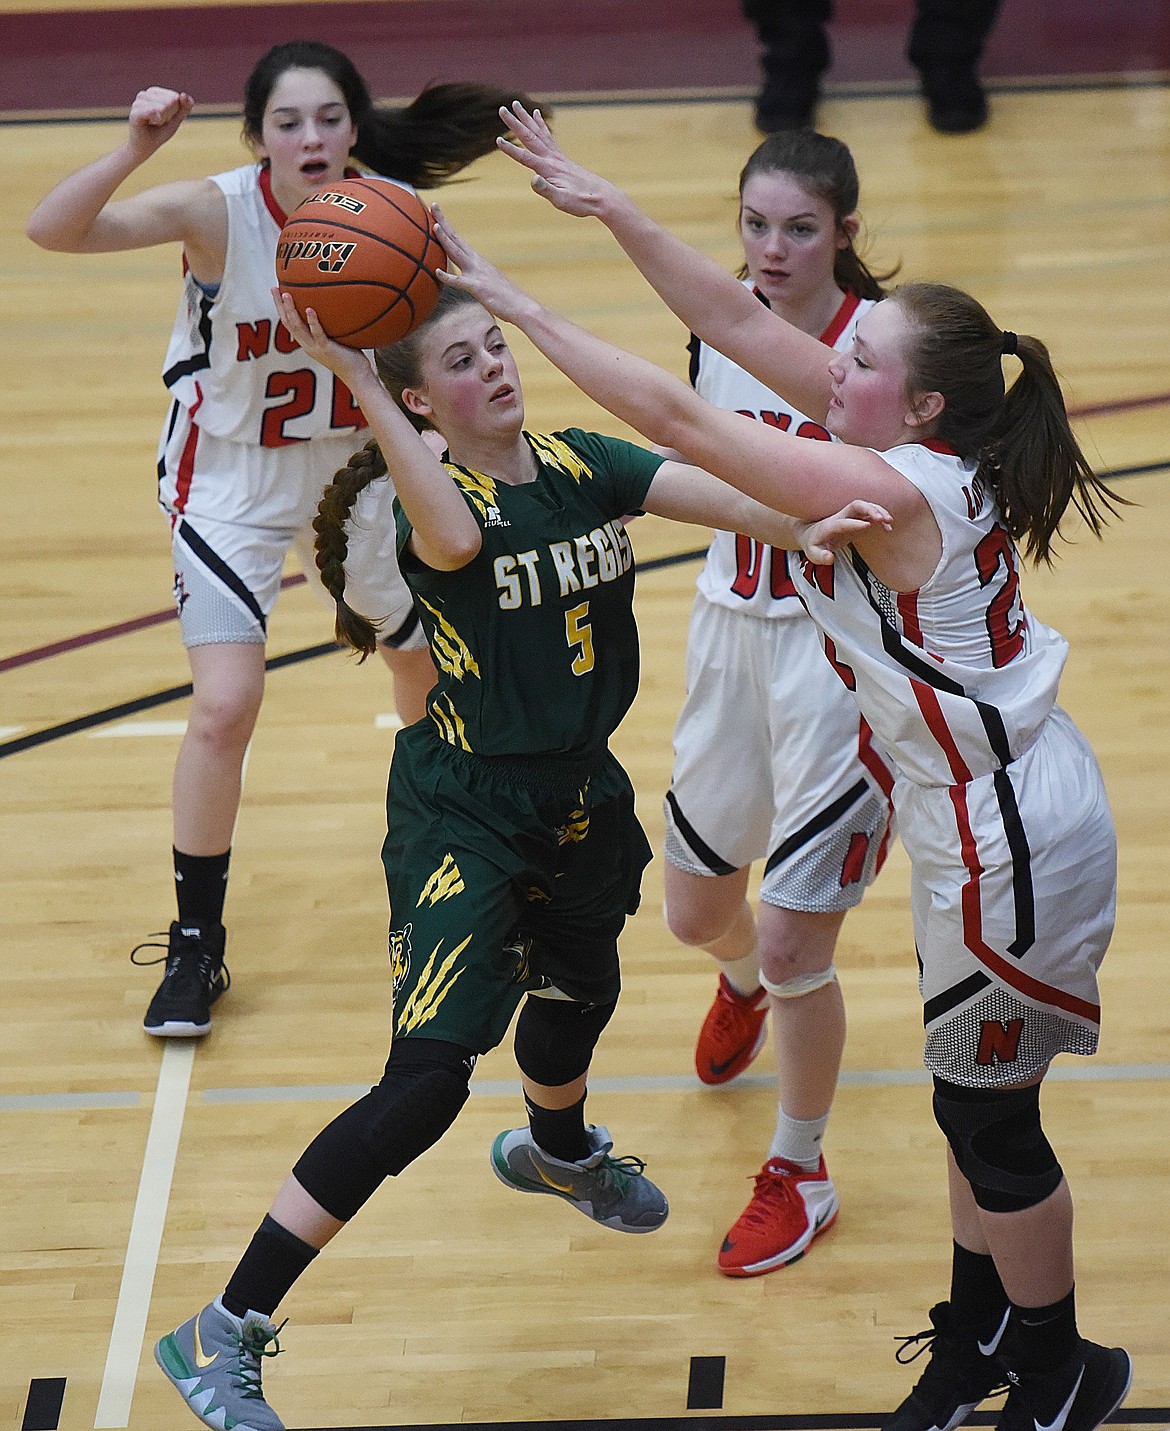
<point>133,1173</point>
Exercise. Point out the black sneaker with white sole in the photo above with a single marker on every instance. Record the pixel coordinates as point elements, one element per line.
<point>1078,1396</point>
<point>960,1374</point>
<point>195,977</point>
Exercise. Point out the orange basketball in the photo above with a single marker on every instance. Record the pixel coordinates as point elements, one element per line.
<point>362,255</point>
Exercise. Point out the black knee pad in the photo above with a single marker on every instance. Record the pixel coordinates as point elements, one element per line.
<point>555,1038</point>
<point>421,1092</point>
<point>998,1143</point>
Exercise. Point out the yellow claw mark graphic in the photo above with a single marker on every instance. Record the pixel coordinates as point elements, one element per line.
<point>450,722</point>
<point>574,830</point>
<point>559,454</point>
<point>478,485</point>
<point>449,648</point>
<point>445,882</point>
<point>429,993</point>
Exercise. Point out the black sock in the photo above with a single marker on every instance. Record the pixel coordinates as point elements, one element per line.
<point>274,1260</point>
<point>200,888</point>
<point>978,1299</point>
<point>559,1131</point>
<point>1044,1337</point>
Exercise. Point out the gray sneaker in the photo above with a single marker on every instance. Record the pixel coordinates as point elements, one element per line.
<point>612,1191</point>
<point>214,1360</point>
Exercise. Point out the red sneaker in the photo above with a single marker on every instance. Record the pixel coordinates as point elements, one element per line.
<point>732,1034</point>
<point>789,1207</point>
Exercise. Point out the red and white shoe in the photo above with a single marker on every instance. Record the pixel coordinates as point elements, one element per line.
<point>789,1207</point>
<point>732,1034</point>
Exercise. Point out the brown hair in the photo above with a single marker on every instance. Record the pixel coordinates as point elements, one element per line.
<point>332,544</point>
<point>1021,437</point>
<point>823,166</point>
<point>424,144</point>
<point>399,367</point>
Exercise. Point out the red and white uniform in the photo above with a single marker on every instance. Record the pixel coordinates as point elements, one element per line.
<point>255,432</point>
<point>999,799</point>
<point>772,761</point>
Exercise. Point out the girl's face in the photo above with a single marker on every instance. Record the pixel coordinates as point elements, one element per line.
<point>871,405</point>
<point>307,133</point>
<point>469,388</point>
<point>790,238</point>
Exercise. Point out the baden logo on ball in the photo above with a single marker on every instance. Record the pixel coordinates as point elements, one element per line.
<point>361,254</point>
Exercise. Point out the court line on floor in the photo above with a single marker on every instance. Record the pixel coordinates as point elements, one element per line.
<point>143,703</point>
<point>809,1421</point>
<point>154,618</point>
<point>1089,82</point>
<point>36,738</point>
<point>510,1087</point>
<point>109,633</point>
<point>146,1230</point>
<point>176,693</point>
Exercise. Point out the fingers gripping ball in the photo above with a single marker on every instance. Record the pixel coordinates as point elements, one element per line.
<point>362,255</point>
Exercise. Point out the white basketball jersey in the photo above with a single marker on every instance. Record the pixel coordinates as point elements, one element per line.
<point>231,362</point>
<point>739,572</point>
<point>957,678</point>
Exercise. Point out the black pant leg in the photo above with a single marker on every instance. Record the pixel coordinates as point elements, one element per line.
<point>794,37</point>
<point>950,32</point>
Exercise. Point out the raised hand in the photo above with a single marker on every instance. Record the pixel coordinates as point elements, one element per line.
<point>350,364</point>
<point>499,295</point>
<point>155,115</point>
<point>567,185</point>
<point>822,540</point>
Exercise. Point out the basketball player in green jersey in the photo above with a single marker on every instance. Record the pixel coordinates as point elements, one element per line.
<point>513,853</point>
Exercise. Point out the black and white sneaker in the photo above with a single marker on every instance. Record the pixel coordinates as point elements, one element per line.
<point>195,977</point>
<point>960,1374</point>
<point>1078,1396</point>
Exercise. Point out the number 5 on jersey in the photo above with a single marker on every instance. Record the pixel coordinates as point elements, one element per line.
<point>579,633</point>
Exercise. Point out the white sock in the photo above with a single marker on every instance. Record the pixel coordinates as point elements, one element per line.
<point>798,1140</point>
<point>743,974</point>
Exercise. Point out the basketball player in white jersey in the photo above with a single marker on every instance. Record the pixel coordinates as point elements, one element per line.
<point>256,429</point>
<point>998,797</point>
<point>754,777</point>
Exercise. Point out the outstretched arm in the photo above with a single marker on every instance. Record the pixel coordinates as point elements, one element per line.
<point>80,215</point>
<point>710,301</point>
<point>446,535</point>
<point>688,494</point>
<point>809,480</point>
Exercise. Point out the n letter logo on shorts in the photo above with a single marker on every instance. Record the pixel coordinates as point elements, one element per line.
<point>999,1043</point>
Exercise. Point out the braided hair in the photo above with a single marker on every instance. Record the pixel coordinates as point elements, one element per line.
<point>332,544</point>
<point>399,367</point>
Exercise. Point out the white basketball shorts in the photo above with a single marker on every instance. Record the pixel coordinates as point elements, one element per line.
<point>1013,887</point>
<point>772,762</point>
<point>235,512</point>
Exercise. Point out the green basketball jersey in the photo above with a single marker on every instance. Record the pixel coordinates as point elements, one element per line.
<point>534,640</point>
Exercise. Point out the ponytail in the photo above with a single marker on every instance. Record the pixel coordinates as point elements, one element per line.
<point>436,135</point>
<point>332,544</point>
<point>423,144</point>
<point>1022,439</point>
<point>1035,464</point>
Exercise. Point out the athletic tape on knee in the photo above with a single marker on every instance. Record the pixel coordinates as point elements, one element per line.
<point>998,1144</point>
<point>801,985</point>
<point>555,1041</point>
